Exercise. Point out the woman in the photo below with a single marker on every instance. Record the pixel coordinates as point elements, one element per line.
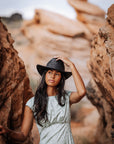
<point>51,104</point>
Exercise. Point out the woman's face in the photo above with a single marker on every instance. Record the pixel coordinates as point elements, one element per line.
<point>52,78</point>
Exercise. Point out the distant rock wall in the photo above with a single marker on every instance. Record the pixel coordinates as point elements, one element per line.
<point>100,91</point>
<point>14,86</point>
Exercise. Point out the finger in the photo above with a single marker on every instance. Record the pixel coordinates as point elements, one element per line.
<point>59,58</point>
<point>56,56</point>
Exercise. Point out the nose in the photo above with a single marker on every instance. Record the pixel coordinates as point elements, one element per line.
<point>53,75</point>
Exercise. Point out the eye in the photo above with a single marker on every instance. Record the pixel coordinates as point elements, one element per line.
<point>49,72</point>
<point>58,74</point>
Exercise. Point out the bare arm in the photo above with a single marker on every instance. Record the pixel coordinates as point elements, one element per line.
<point>25,129</point>
<point>81,91</point>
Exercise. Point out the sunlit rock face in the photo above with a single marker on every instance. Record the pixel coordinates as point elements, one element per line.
<point>14,86</point>
<point>101,90</point>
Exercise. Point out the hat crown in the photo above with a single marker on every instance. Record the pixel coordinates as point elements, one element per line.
<point>56,64</point>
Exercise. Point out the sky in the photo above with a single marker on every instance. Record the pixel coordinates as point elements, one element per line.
<point>27,7</point>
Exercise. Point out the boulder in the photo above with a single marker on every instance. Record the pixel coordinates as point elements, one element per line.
<point>89,14</point>
<point>59,24</point>
<point>86,7</point>
<point>91,19</point>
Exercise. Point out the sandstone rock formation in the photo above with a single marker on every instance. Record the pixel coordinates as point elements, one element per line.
<point>100,91</point>
<point>91,15</point>
<point>14,86</point>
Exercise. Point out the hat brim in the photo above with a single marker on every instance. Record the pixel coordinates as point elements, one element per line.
<point>41,69</point>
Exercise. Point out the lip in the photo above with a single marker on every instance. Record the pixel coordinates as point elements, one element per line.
<point>52,81</point>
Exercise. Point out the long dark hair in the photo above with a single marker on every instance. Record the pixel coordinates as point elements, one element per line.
<point>41,98</point>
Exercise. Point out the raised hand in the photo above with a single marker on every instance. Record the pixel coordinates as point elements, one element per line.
<point>81,91</point>
<point>65,60</point>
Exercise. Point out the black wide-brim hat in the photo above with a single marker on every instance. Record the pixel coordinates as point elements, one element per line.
<point>54,64</point>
